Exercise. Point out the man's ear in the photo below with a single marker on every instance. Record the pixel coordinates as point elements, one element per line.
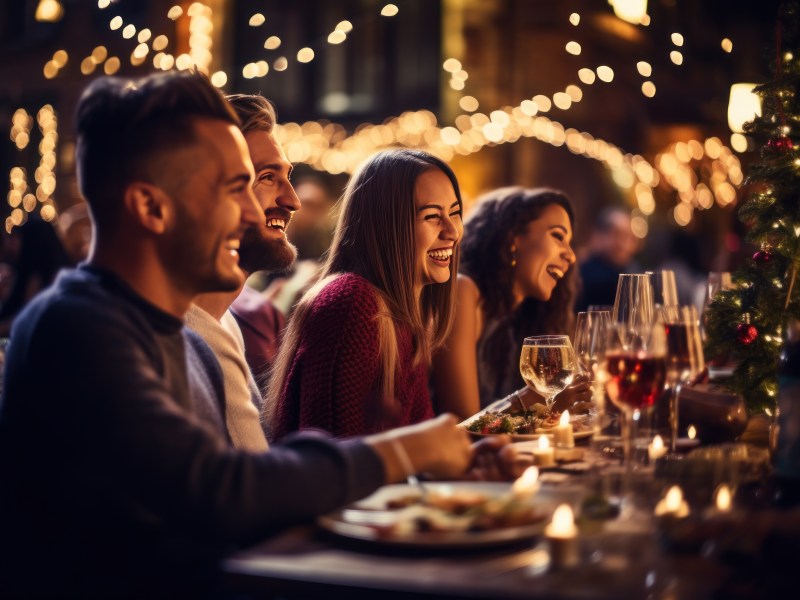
<point>148,205</point>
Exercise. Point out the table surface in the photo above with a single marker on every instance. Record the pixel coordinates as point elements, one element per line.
<point>621,558</point>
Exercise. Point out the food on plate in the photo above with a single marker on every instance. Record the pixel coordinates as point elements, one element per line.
<point>457,512</point>
<point>533,420</point>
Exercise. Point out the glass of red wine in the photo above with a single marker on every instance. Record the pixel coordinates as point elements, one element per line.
<point>634,367</point>
<point>634,376</point>
<point>684,357</point>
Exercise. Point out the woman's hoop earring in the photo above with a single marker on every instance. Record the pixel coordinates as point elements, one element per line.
<point>513,255</point>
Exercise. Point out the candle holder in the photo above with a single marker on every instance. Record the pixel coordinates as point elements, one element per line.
<point>562,538</point>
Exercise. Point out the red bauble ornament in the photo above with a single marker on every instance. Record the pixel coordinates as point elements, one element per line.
<point>746,333</point>
<point>781,144</point>
<point>763,257</point>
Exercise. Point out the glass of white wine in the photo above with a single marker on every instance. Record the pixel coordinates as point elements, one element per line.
<point>547,364</point>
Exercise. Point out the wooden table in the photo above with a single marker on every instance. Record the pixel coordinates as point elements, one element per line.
<point>619,560</point>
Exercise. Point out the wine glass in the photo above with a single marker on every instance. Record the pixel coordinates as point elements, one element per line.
<point>590,347</point>
<point>665,292</point>
<point>632,315</point>
<point>590,339</point>
<point>547,364</point>
<point>633,373</point>
<point>684,357</point>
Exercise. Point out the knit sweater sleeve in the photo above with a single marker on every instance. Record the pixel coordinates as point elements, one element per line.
<point>333,382</point>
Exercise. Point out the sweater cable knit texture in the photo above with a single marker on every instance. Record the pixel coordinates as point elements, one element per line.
<point>333,382</point>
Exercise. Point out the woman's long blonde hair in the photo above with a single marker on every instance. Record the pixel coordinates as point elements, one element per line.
<point>374,238</point>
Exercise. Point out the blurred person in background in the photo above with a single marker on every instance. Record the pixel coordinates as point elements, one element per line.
<point>611,249</point>
<point>38,258</point>
<point>516,280</point>
<point>312,228</point>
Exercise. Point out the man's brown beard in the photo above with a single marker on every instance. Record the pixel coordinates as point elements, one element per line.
<point>257,252</point>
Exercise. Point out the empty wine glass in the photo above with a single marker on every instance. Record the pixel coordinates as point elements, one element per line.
<point>591,333</point>
<point>632,315</point>
<point>590,339</point>
<point>684,357</point>
<point>665,291</point>
<point>547,364</point>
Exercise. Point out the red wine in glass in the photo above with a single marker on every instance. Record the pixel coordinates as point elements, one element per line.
<point>635,379</point>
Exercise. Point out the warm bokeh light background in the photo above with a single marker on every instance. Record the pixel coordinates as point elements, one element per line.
<point>613,105</point>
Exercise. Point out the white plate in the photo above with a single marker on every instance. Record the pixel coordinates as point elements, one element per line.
<point>354,521</point>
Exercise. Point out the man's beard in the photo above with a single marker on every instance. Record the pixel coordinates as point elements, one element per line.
<point>257,252</point>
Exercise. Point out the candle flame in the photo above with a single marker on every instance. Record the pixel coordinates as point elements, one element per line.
<point>723,498</point>
<point>544,443</point>
<point>526,483</point>
<point>673,499</point>
<point>564,418</point>
<point>563,521</point>
<point>691,432</point>
<point>658,443</point>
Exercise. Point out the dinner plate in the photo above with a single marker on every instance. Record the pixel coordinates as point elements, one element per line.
<point>363,520</point>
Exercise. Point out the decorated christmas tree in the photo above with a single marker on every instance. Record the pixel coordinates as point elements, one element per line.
<point>746,324</point>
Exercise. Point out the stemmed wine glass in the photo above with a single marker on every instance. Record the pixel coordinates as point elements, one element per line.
<point>665,291</point>
<point>635,351</point>
<point>590,348</point>
<point>590,339</point>
<point>684,356</point>
<point>633,371</point>
<point>547,364</point>
<point>632,315</point>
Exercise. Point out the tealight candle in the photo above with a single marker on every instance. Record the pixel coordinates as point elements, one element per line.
<point>723,499</point>
<point>656,449</point>
<point>543,455</point>
<point>527,483</point>
<point>563,435</point>
<point>561,535</point>
<point>672,504</point>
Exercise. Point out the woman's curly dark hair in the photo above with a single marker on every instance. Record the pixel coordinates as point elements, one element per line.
<point>486,256</point>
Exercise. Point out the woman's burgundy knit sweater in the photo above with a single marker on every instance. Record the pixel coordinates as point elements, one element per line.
<point>333,382</point>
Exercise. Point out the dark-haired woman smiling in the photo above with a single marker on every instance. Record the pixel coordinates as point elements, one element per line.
<point>517,279</point>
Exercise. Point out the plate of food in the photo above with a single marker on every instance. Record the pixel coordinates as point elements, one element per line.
<point>452,514</point>
<point>525,425</point>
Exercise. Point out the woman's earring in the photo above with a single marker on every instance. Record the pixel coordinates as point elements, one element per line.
<point>513,255</point>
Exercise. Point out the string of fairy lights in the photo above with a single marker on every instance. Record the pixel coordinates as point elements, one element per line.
<point>702,173</point>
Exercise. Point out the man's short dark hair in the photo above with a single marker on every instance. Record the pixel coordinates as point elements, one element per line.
<point>255,112</point>
<point>127,129</point>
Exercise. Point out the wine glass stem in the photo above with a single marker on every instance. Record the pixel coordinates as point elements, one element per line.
<point>627,441</point>
<point>673,417</point>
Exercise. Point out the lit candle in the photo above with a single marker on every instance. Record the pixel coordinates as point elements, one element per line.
<point>561,535</point>
<point>656,449</point>
<point>562,433</point>
<point>672,504</point>
<point>543,455</point>
<point>527,484</point>
<point>723,499</point>
<point>691,432</point>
